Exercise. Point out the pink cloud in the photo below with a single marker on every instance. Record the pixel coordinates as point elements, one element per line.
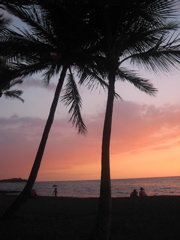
<point>136,128</point>
<point>141,126</point>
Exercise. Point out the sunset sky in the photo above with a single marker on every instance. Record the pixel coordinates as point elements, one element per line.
<point>145,138</point>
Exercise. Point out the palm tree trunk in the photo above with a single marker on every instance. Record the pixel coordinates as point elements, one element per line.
<point>102,226</point>
<point>24,195</point>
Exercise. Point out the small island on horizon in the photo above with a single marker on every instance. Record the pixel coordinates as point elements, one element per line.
<point>13,180</point>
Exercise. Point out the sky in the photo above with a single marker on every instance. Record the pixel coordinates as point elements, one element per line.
<point>145,139</point>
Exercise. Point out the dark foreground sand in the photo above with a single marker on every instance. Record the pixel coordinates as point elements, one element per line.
<point>50,218</point>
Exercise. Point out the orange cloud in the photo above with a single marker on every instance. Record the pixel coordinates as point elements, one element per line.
<point>138,127</point>
<point>139,131</point>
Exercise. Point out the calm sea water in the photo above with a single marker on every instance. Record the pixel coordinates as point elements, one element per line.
<point>90,188</point>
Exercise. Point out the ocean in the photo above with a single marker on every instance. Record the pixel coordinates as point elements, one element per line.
<point>90,188</point>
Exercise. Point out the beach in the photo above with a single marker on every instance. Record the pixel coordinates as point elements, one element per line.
<point>45,218</point>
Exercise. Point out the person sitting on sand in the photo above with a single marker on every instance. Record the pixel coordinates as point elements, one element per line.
<point>134,193</point>
<point>33,193</point>
<point>142,192</point>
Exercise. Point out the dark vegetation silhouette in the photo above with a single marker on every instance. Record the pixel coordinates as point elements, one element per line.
<point>8,80</point>
<point>45,48</point>
<point>128,35</point>
<point>8,75</point>
<point>139,33</point>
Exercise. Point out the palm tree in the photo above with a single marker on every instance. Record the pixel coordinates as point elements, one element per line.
<point>136,33</point>
<point>45,48</point>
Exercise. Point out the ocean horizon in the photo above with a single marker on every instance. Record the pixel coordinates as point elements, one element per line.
<point>155,186</point>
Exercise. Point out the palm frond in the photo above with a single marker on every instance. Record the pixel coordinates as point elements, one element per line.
<point>9,76</point>
<point>142,84</point>
<point>15,82</point>
<point>142,37</point>
<point>72,98</point>
<point>156,11</point>
<point>9,83</point>
<point>28,69</point>
<point>51,71</point>
<point>35,18</point>
<point>16,46</point>
<point>13,94</point>
<point>93,73</point>
<point>161,58</point>
<point>91,78</point>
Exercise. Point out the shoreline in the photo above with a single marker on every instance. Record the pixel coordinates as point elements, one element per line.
<point>66,218</point>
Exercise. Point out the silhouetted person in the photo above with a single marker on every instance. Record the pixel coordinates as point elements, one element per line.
<point>142,192</point>
<point>55,191</point>
<point>33,193</point>
<point>134,193</point>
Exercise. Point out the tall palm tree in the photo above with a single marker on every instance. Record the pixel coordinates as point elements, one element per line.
<point>137,33</point>
<point>50,47</point>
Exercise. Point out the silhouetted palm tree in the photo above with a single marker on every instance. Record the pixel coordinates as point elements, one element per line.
<point>50,46</point>
<point>136,32</point>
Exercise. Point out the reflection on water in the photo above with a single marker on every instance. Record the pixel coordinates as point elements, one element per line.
<point>90,188</point>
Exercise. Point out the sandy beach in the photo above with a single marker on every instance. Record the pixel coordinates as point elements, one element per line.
<point>45,218</point>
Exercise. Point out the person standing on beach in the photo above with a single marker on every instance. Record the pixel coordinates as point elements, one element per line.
<point>142,193</point>
<point>55,191</point>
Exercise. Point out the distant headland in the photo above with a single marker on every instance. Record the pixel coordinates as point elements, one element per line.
<point>13,180</point>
